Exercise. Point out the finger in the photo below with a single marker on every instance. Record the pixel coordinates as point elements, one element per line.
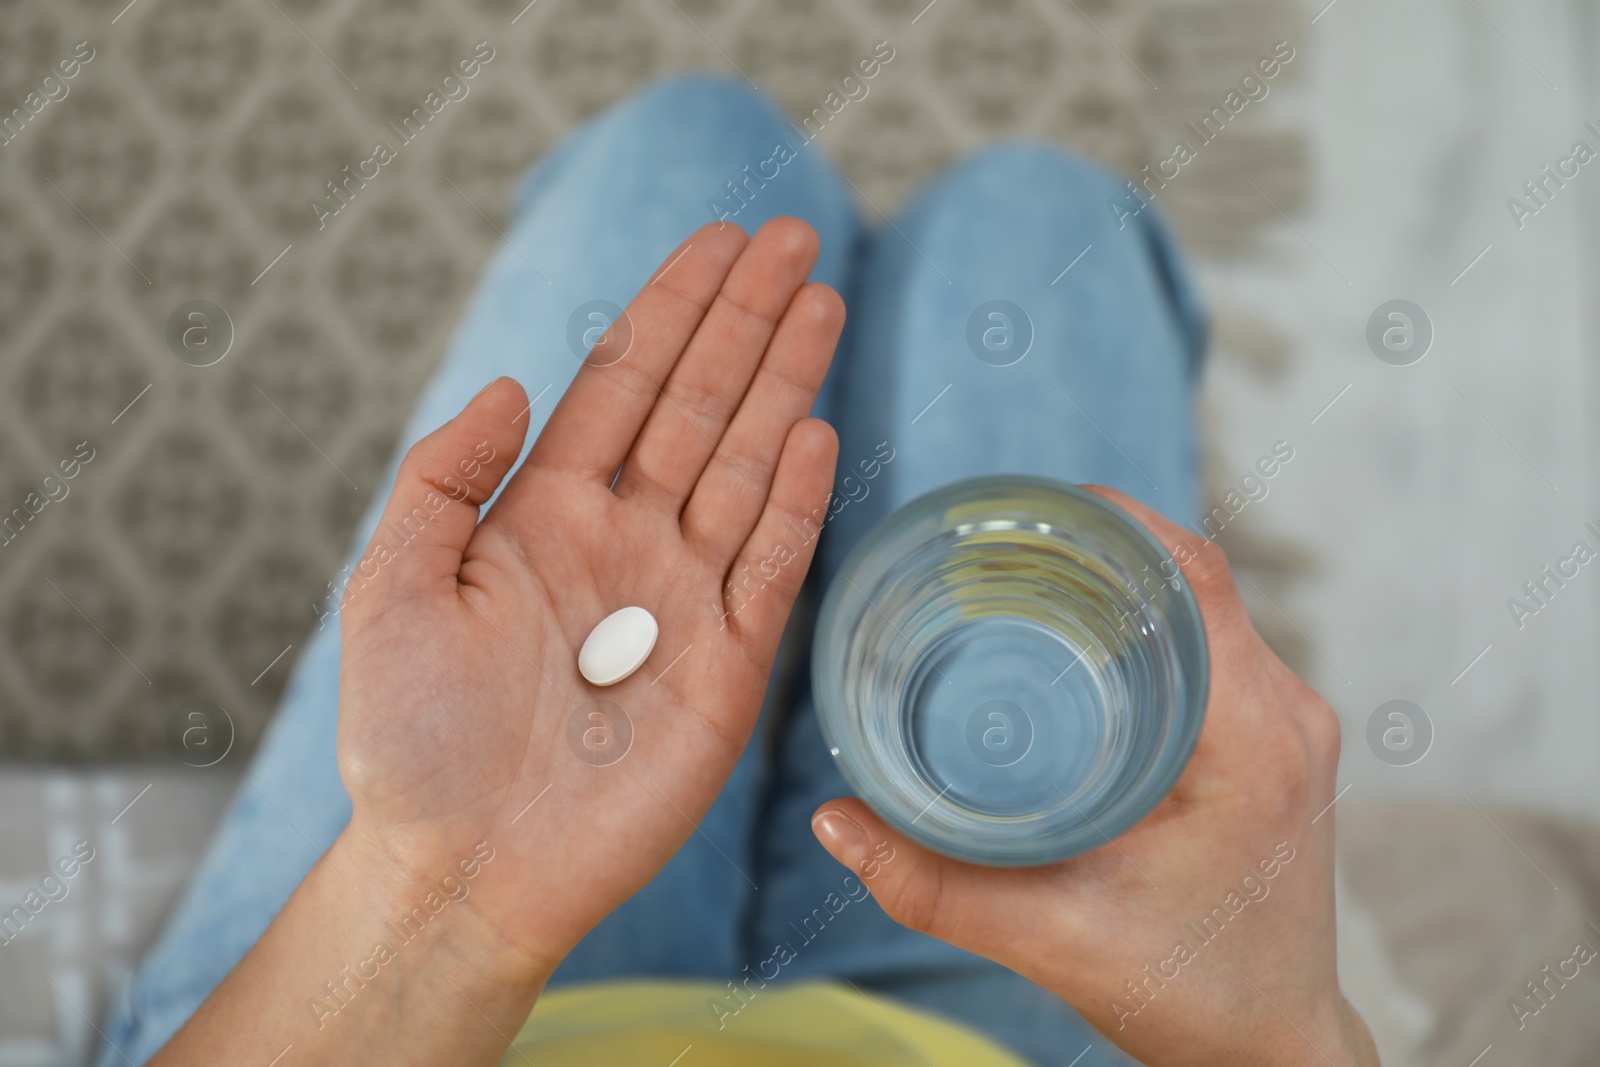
<point>1200,559</point>
<point>705,388</point>
<point>732,491</point>
<point>433,510</point>
<point>922,890</point>
<point>1251,691</point>
<point>597,419</point>
<point>762,583</point>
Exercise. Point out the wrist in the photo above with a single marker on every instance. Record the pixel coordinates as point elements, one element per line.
<point>1358,1047</point>
<point>370,960</point>
<point>431,898</point>
<point>1339,1037</point>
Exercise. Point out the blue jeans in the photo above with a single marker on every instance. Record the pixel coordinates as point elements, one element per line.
<point>1103,393</point>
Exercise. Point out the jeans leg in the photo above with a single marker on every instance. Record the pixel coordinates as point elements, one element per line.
<point>1102,392</point>
<point>592,222</point>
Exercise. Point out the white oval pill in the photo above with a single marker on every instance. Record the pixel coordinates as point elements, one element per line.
<point>618,646</point>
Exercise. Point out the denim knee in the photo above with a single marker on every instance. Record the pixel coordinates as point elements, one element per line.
<point>1052,197</point>
<point>702,148</point>
<point>697,102</point>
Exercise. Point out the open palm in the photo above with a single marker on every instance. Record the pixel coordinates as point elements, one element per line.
<point>675,474</point>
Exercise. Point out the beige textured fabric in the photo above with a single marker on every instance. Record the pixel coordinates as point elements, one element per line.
<point>1473,903</point>
<point>187,558</point>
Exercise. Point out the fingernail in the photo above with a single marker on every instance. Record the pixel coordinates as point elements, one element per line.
<point>842,836</point>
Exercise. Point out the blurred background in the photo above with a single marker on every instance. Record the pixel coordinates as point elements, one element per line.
<point>182,571</point>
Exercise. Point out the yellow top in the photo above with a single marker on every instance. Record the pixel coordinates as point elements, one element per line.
<point>700,1024</point>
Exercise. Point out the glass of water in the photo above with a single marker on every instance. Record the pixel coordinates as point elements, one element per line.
<point>1010,670</point>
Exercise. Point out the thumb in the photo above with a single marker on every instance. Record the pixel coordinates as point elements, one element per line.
<point>915,887</point>
<point>1000,913</point>
<point>445,478</point>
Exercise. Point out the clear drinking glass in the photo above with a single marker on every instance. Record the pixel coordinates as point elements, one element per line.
<point>1010,670</point>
